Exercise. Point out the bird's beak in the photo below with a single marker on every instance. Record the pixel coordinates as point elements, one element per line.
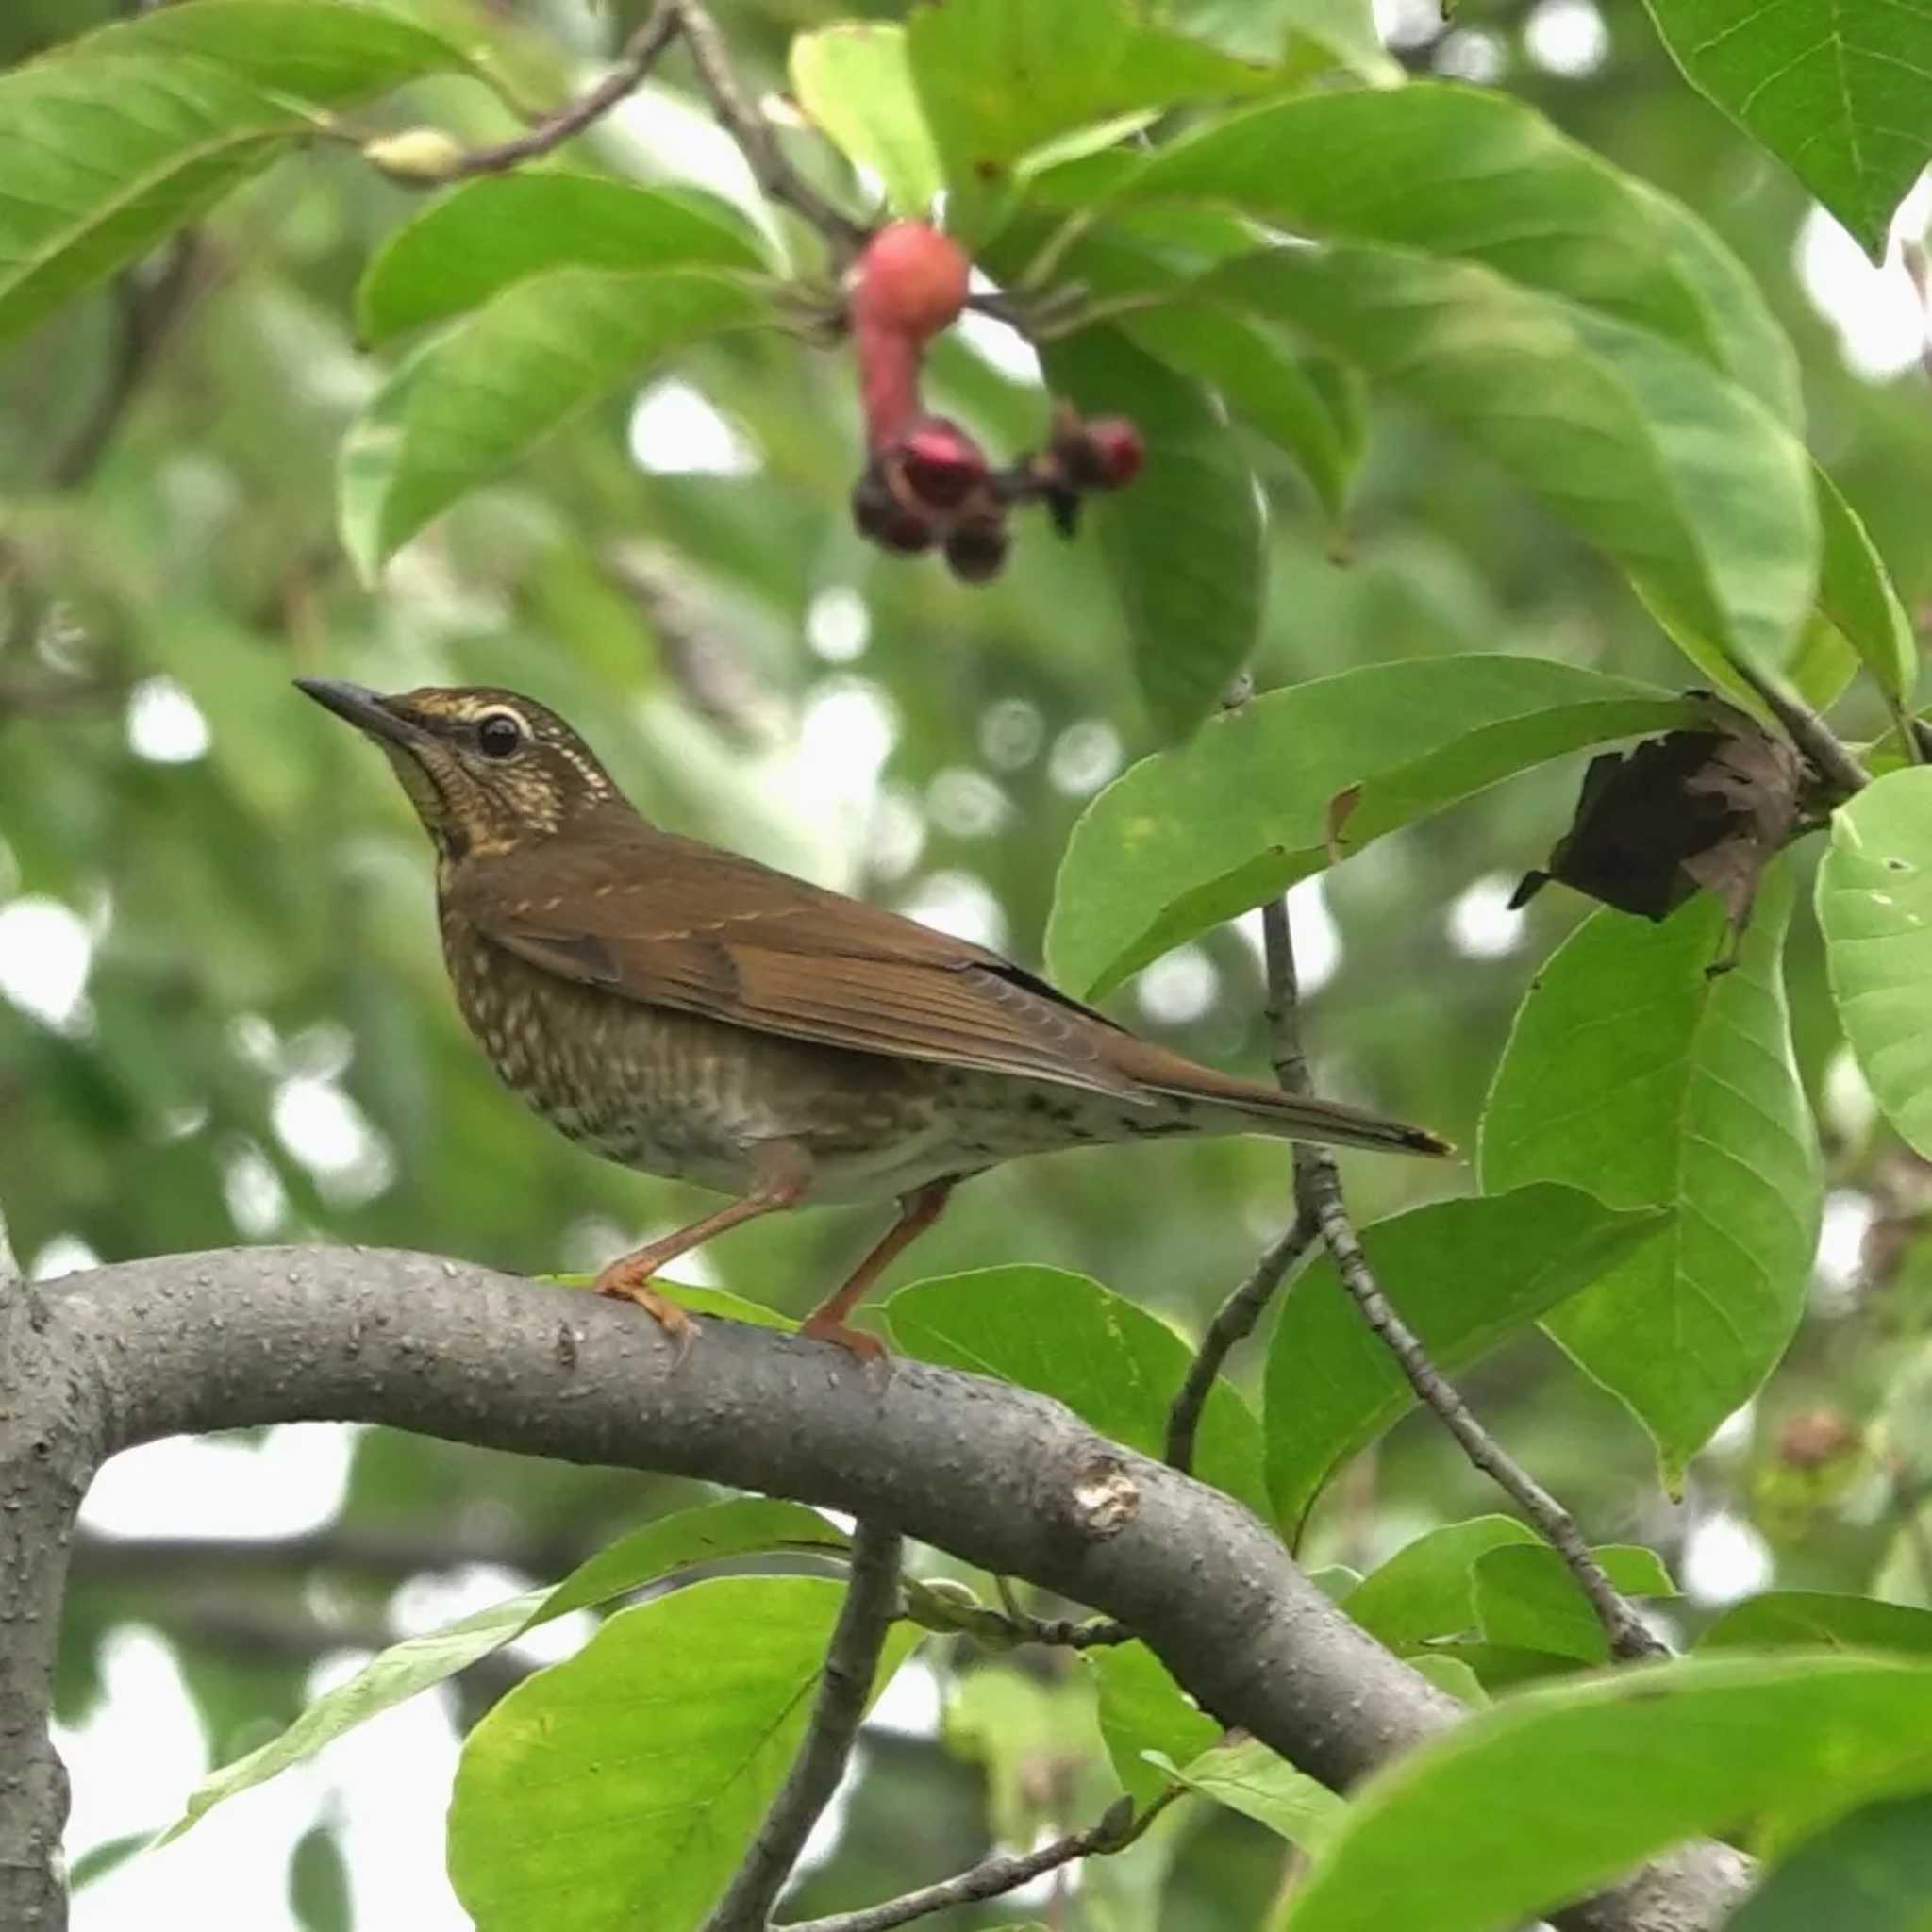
<point>367,711</point>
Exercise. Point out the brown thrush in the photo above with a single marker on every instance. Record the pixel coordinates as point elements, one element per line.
<point>694,1014</point>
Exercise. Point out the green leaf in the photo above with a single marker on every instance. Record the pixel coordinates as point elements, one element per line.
<point>1874,903</point>
<point>1427,1587</point>
<point>1193,836</point>
<point>855,80</point>
<point>1855,590</point>
<point>1550,1794</point>
<point>490,233</point>
<point>1818,1619</point>
<point>1113,1364</point>
<point>1465,173</point>
<point>702,1534</point>
<point>319,1883</point>
<point>1464,1276</point>
<point>1452,1676</point>
<point>1248,1778</point>
<point>1143,1713</point>
<point>999,77</point>
<point>1632,1072</point>
<point>1266,385</point>
<point>1871,1872</point>
<point>1184,543</point>
<point>1344,32</point>
<point>108,1856</point>
<point>1842,94</point>
<point>625,1784</point>
<point>1526,1597</point>
<point>117,139</point>
<point>1692,485</point>
<point>468,404</point>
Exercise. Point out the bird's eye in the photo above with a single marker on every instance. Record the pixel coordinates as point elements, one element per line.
<point>499,735</point>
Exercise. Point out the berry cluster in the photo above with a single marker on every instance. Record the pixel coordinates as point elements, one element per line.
<point>926,482</point>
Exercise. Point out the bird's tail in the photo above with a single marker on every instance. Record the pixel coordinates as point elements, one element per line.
<point>1268,1111</point>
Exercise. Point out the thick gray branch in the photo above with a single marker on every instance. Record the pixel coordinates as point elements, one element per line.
<point>1001,1477</point>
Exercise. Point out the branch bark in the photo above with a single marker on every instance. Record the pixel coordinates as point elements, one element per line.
<point>1002,1478</point>
<point>852,1661</point>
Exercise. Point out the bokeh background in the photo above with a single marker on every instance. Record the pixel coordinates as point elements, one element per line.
<point>223,1017</point>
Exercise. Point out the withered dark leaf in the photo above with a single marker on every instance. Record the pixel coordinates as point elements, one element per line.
<point>1704,809</point>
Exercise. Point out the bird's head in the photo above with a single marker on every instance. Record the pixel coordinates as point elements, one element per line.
<point>487,770</point>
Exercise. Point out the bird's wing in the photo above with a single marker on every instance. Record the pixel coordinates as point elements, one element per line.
<point>671,922</point>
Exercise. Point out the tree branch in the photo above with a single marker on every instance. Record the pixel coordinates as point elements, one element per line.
<point>1829,755</point>
<point>1318,1187</point>
<point>1000,1477</point>
<point>852,1661</point>
<point>779,179</point>
<point>994,1877</point>
<point>1234,1323</point>
<point>634,59</point>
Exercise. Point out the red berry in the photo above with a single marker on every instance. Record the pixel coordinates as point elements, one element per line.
<point>942,464</point>
<point>1117,448</point>
<point>1103,454</point>
<point>976,551</point>
<point>910,279</point>
<point>877,514</point>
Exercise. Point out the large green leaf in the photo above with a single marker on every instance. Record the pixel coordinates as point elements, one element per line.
<point>489,233</point>
<point>702,1534</point>
<point>1143,1710</point>
<point>1874,902</point>
<point>1464,1276</point>
<point>1427,1587</point>
<point>1633,1072</point>
<point>1552,1793</point>
<point>119,138</point>
<point>1248,1778</point>
<point>1196,835</point>
<point>1840,92</point>
<point>621,1788</point>
<point>1266,385</point>
<point>1463,173</point>
<point>1696,490</point>
<point>854,79</point>
<point>1856,593</point>
<point>1184,543</point>
<point>1000,78</point>
<point>1528,1598</point>
<point>1818,1619</point>
<point>1871,1872</point>
<point>1113,1364</point>
<point>468,404</point>
<point>1340,32</point>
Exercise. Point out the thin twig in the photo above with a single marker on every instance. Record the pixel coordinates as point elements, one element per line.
<point>1318,1189</point>
<point>779,179</point>
<point>1234,1323</point>
<point>634,59</point>
<point>872,1598</point>
<point>944,1606</point>
<point>1830,757</point>
<point>994,1877</point>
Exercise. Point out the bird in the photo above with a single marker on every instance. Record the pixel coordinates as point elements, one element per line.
<point>693,1014</point>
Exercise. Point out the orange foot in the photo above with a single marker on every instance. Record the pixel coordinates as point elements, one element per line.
<point>868,1348</point>
<point>624,1283</point>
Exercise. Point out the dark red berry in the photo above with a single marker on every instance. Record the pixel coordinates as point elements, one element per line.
<point>977,552</point>
<point>877,514</point>
<point>1117,445</point>
<point>910,279</point>
<point>1104,454</point>
<point>940,463</point>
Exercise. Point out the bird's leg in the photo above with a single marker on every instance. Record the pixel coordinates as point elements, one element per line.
<point>826,1322</point>
<point>780,1173</point>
